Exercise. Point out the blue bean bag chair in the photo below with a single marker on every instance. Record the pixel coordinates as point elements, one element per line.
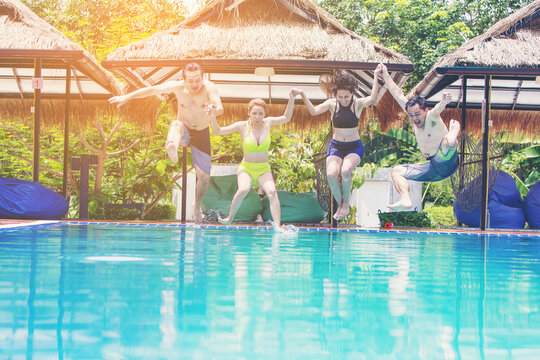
<point>505,206</point>
<point>532,206</point>
<point>21,199</point>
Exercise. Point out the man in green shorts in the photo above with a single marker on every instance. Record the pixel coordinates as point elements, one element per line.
<point>437,143</point>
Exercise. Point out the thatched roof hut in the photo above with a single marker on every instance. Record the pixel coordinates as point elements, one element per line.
<point>297,39</point>
<point>25,38</point>
<point>509,53</point>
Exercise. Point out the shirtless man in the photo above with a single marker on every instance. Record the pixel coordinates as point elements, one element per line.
<point>195,96</point>
<point>437,143</point>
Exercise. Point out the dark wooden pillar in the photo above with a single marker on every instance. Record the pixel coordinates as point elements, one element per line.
<point>66,129</point>
<point>184,182</point>
<point>36,84</point>
<point>485,153</point>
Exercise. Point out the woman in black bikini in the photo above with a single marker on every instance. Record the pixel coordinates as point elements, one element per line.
<point>346,149</point>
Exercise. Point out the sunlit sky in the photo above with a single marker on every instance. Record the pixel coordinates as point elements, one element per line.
<point>192,5</point>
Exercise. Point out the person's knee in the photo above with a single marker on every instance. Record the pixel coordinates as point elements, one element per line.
<point>398,170</point>
<point>332,174</point>
<point>242,192</point>
<point>176,124</point>
<point>203,178</point>
<point>346,174</point>
<point>271,193</point>
<point>449,144</point>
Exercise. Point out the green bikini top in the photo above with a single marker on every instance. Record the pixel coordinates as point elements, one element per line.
<point>250,146</point>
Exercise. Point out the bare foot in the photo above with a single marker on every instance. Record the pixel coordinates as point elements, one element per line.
<point>197,215</point>
<point>172,151</point>
<point>338,215</point>
<point>453,132</point>
<point>225,221</point>
<point>280,228</point>
<point>401,205</point>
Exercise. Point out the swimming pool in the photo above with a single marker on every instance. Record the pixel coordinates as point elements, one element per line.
<point>83,291</point>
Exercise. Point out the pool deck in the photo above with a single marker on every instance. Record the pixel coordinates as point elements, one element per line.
<point>11,223</point>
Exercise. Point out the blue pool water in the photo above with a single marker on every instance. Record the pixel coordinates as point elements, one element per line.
<point>132,292</point>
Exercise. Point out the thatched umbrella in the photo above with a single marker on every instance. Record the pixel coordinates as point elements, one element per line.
<point>495,79</point>
<point>295,39</point>
<point>509,53</point>
<point>25,37</point>
<point>41,68</point>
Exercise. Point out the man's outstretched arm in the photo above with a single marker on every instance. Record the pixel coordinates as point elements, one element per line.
<point>155,90</point>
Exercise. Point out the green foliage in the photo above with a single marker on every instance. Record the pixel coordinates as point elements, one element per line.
<point>145,170</point>
<point>443,216</point>
<point>424,30</point>
<point>229,148</point>
<point>291,160</point>
<point>407,219</point>
<point>438,193</point>
<point>16,153</point>
<point>102,26</point>
<point>161,212</point>
<point>139,174</point>
<point>391,148</point>
<point>522,161</point>
<point>115,213</point>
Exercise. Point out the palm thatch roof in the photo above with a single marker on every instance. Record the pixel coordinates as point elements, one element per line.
<point>294,37</point>
<point>25,37</point>
<point>508,53</point>
<point>259,29</point>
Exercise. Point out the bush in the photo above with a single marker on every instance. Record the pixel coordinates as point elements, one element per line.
<point>442,215</point>
<point>438,193</point>
<point>407,218</point>
<point>103,213</point>
<point>161,212</point>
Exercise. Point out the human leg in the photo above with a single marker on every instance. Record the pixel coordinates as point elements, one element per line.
<point>199,142</point>
<point>244,185</point>
<point>350,162</point>
<point>402,187</point>
<point>176,131</point>
<point>450,141</point>
<point>333,166</point>
<point>201,188</point>
<point>266,182</point>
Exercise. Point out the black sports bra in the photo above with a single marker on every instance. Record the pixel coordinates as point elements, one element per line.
<point>344,117</point>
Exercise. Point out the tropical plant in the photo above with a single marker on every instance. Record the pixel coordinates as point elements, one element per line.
<point>522,161</point>
<point>424,30</point>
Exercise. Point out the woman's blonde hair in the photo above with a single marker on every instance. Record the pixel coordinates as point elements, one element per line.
<point>257,102</point>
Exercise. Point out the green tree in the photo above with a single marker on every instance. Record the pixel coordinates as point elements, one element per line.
<point>424,30</point>
<point>102,26</point>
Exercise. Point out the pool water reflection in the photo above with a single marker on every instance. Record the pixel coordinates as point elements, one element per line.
<point>116,292</point>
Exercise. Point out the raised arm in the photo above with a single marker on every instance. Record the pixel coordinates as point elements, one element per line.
<point>287,115</point>
<point>155,90</point>
<point>314,110</point>
<point>395,90</point>
<point>372,98</point>
<point>441,105</point>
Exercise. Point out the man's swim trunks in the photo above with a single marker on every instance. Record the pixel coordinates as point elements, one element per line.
<point>199,141</point>
<point>255,170</point>
<point>438,168</point>
<point>342,149</point>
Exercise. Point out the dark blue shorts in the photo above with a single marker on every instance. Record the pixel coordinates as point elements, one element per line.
<point>342,149</point>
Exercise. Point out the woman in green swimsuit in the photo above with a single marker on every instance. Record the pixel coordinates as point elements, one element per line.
<point>255,168</point>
